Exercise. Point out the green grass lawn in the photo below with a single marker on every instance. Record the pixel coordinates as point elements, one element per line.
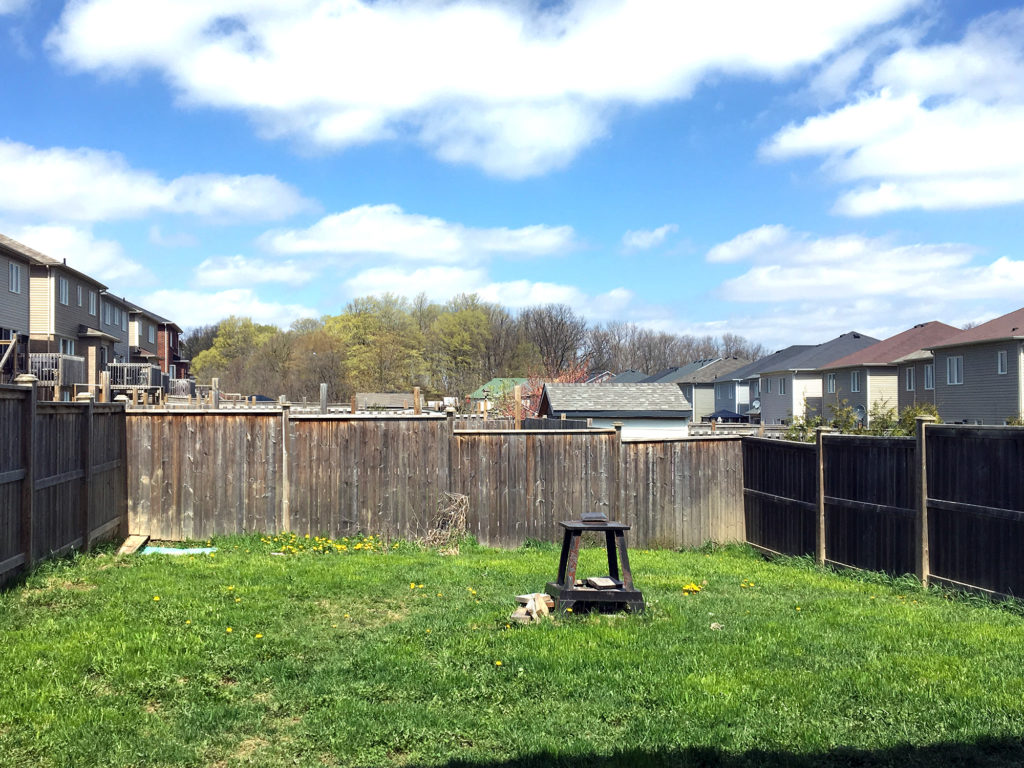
<point>310,659</point>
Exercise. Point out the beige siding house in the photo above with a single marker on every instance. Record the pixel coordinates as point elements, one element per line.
<point>979,373</point>
<point>870,377</point>
<point>15,266</point>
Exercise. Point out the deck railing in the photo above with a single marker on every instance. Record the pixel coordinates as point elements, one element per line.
<point>182,388</point>
<point>135,376</point>
<point>57,369</point>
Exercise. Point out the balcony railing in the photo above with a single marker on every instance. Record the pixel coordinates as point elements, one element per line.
<point>135,376</point>
<point>182,388</point>
<point>56,369</point>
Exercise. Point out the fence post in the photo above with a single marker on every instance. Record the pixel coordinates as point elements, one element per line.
<point>517,394</point>
<point>105,387</point>
<point>819,535</point>
<point>354,406</point>
<point>28,483</point>
<point>323,397</point>
<point>285,523</point>
<point>449,413</point>
<point>416,408</point>
<point>85,489</point>
<point>615,500</point>
<point>921,555</point>
<point>215,393</point>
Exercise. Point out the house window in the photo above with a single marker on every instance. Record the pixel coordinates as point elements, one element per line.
<point>855,381</point>
<point>67,346</point>
<point>62,290</point>
<point>15,284</point>
<point>1001,361</point>
<point>152,334</point>
<point>107,313</point>
<point>755,389</point>
<point>910,377</point>
<point>768,386</point>
<point>929,376</point>
<point>782,385</point>
<point>124,321</point>
<point>79,295</point>
<point>830,383</point>
<point>92,303</point>
<point>955,369</point>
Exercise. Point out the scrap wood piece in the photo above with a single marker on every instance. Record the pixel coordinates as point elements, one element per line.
<point>133,544</point>
<point>548,600</point>
<point>603,582</point>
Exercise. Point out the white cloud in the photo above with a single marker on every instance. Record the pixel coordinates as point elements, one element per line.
<point>643,239</point>
<point>440,283</point>
<point>104,260</point>
<point>513,89</point>
<point>226,271</point>
<point>744,245</point>
<point>796,267</point>
<point>92,185</point>
<point>193,308</point>
<point>12,6</point>
<point>938,128</point>
<point>388,230</point>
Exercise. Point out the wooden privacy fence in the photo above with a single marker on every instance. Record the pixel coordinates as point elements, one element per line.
<point>947,504</point>
<point>198,473</point>
<point>62,477</point>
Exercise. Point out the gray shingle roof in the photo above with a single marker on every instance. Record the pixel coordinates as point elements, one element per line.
<point>677,373</point>
<point>625,399</point>
<point>712,371</point>
<point>627,377</point>
<point>774,362</point>
<point>827,352</point>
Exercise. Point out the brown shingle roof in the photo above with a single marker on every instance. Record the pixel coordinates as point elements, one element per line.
<point>921,336</point>
<point>1008,326</point>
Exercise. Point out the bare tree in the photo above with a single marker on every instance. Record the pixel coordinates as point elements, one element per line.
<point>559,334</point>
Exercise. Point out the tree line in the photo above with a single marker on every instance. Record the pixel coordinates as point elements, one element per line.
<point>392,344</point>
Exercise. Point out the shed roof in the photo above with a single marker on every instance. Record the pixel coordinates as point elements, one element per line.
<point>1008,326</point>
<point>365,400</point>
<point>896,347</point>
<point>640,399</point>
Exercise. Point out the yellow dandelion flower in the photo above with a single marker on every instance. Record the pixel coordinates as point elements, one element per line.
<point>347,616</point>
<point>798,607</point>
<point>156,598</point>
<point>229,629</point>
<point>428,631</point>
<point>258,636</point>
<point>497,663</point>
<point>231,587</point>
<point>568,610</point>
<point>188,621</point>
<point>238,599</point>
<point>412,585</point>
<point>419,586</point>
<point>440,595</point>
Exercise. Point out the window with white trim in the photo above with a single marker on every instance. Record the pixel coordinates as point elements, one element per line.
<point>152,334</point>
<point>15,278</point>
<point>768,385</point>
<point>929,376</point>
<point>855,381</point>
<point>108,313</point>
<point>62,290</point>
<point>67,346</point>
<point>830,383</point>
<point>782,385</point>
<point>955,369</point>
<point>910,376</point>
<point>1001,361</point>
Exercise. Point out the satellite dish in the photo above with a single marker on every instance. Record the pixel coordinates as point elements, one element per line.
<point>756,404</point>
<point>859,413</point>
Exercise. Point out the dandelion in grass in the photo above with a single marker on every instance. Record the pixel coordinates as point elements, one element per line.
<point>188,621</point>
<point>691,588</point>
<point>229,630</point>
<point>497,663</point>
<point>347,616</point>
<point>238,599</point>
<point>412,585</point>
<point>259,636</point>
<point>156,598</point>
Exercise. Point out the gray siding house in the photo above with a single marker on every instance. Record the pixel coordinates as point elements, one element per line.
<point>979,373</point>
<point>794,389</point>
<point>870,376</point>
<point>740,390</point>
<point>699,387</point>
<point>916,377</point>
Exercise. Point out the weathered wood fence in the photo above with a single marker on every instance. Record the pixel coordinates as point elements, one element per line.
<point>62,477</point>
<point>198,473</point>
<point>947,505</point>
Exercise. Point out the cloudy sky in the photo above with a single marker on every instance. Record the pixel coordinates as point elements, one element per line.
<point>786,170</point>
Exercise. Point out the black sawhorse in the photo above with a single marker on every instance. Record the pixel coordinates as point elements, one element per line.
<point>567,593</point>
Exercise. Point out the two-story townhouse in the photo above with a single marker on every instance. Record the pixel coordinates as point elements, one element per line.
<point>979,373</point>
<point>699,386</point>
<point>15,263</point>
<point>739,391</point>
<point>794,390</point>
<point>169,350</point>
<point>916,374</point>
<point>681,375</point>
<point>67,343</point>
<point>143,327</point>
<point>869,378</point>
<point>115,320</point>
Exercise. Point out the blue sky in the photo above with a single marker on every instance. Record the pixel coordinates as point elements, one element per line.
<point>787,171</point>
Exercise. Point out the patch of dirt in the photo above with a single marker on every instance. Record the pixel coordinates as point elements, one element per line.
<point>360,614</point>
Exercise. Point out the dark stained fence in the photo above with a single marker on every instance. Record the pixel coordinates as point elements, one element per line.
<point>976,506</point>
<point>780,495</point>
<point>198,473</point>
<point>533,423</point>
<point>869,502</point>
<point>62,477</point>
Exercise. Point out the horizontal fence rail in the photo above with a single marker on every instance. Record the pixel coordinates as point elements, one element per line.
<point>947,505</point>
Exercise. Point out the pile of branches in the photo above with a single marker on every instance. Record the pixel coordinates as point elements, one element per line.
<point>448,527</point>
